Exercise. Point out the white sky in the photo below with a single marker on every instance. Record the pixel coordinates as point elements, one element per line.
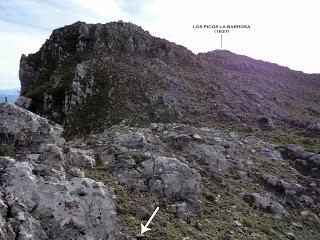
<point>282,31</point>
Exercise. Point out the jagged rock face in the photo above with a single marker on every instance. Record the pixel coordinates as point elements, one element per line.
<point>90,76</point>
<point>104,73</point>
<point>39,199</point>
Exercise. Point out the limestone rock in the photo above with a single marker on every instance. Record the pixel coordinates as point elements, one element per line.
<point>171,179</point>
<point>267,204</point>
<point>28,128</point>
<point>24,102</point>
<point>79,208</point>
<point>38,198</point>
<point>81,158</point>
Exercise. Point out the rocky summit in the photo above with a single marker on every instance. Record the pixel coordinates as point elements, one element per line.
<point>113,123</point>
<point>92,76</point>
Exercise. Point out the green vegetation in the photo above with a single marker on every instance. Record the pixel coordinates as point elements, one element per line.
<point>7,151</point>
<point>133,224</point>
<point>250,221</point>
<point>284,137</point>
<point>221,207</point>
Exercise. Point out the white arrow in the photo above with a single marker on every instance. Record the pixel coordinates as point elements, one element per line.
<point>144,228</point>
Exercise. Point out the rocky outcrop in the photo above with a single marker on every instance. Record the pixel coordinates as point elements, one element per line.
<point>39,199</point>
<point>168,178</point>
<point>305,161</point>
<point>117,71</point>
<point>267,204</point>
<point>79,208</point>
<point>27,72</point>
<point>24,102</point>
<point>158,158</point>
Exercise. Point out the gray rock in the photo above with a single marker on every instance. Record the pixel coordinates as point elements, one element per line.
<point>210,155</point>
<point>291,236</point>
<point>107,156</point>
<point>179,141</point>
<point>288,188</point>
<point>310,218</point>
<point>43,205</point>
<point>278,210</point>
<point>271,180</point>
<point>24,102</point>
<point>306,162</point>
<point>267,204</point>
<point>77,209</point>
<point>6,230</point>
<point>172,179</point>
<point>296,152</point>
<point>179,209</point>
<point>81,158</point>
<point>166,177</point>
<point>76,172</point>
<point>131,140</point>
<point>121,236</point>
<point>272,154</point>
<point>307,200</point>
<point>28,128</point>
<point>315,159</point>
<point>265,123</point>
<point>52,157</point>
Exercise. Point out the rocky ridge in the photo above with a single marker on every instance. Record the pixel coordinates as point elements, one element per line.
<point>92,76</point>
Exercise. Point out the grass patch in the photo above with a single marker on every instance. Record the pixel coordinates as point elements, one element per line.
<point>281,138</point>
<point>7,151</point>
<point>250,221</point>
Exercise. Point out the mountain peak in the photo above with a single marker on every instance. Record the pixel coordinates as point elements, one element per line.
<point>118,72</point>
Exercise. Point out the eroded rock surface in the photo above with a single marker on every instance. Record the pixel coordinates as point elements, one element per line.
<point>39,199</point>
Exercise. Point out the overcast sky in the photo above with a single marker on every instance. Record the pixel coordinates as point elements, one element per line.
<point>282,31</point>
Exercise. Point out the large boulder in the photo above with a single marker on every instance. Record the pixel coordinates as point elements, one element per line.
<point>296,152</point>
<point>172,179</point>
<point>209,155</point>
<point>27,128</point>
<point>166,177</point>
<point>33,138</point>
<point>76,209</point>
<point>24,102</point>
<point>267,204</point>
<point>80,157</point>
<point>39,199</point>
<point>305,161</point>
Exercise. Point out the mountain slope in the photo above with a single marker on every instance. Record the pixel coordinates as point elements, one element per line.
<point>90,76</point>
<point>209,183</point>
